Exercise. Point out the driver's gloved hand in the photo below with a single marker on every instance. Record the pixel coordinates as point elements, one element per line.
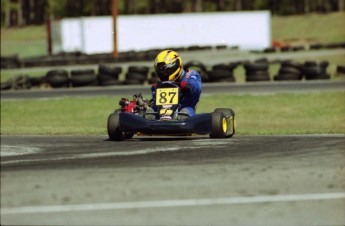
<point>184,85</point>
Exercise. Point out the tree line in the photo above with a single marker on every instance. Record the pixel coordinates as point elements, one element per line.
<point>30,12</point>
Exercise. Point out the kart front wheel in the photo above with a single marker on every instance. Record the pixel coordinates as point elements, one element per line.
<point>219,125</point>
<point>114,131</point>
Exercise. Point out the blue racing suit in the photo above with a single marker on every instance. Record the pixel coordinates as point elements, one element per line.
<point>191,86</point>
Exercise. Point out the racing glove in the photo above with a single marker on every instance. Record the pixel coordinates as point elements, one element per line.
<point>184,85</point>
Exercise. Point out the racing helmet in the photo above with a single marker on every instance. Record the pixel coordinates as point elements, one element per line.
<point>168,65</point>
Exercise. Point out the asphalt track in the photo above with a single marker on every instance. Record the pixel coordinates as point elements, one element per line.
<point>245,180</point>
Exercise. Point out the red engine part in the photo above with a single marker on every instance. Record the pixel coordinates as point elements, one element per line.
<point>129,107</point>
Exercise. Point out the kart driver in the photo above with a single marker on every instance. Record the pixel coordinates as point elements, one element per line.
<point>168,66</point>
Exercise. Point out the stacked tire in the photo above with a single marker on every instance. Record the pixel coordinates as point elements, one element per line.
<point>136,75</point>
<point>109,75</point>
<point>257,71</point>
<point>154,78</point>
<point>315,71</point>
<point>198,66</point>
<point>58,78</point>
<point>222,73</point>
<point>289,71</point>
<point>340,70</point>
<point>84,77</point>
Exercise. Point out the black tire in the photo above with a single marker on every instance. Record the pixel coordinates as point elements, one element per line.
<point>219,74</point>
<point>228,67</point>
<point>324,64</point>
<point>83,80</point>
<point>312,71</point>
<point>289,63</point>
<point>257,78</point>
<point>195,65</point>
<point>289,70</point>
<point>255,66</point>
<point>113,127</point>
<point>83,72</point>
<point>322,77</point>
<point>57,78</point>
<point>257,73</point>
<point>340,69</point>
<point>6,85</point>
<point>261,60</point>
<point>102,77</point>
<point>153,79</point>
<point>218,125</point>
<point>139,69</point>
<point>109,70</point>
<point>310,63</point>
<point>37,81</point>
<point>136,76</point>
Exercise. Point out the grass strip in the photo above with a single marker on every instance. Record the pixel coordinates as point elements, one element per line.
<point>281,114</point>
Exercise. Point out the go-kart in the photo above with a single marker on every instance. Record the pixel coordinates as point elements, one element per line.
<point>137,117</point>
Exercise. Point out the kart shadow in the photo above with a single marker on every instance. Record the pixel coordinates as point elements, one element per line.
<point>160,138</point>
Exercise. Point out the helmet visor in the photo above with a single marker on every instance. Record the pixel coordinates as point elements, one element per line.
<point>164,70</point>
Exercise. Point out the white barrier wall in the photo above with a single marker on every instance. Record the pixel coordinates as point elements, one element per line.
<point>248,30</point>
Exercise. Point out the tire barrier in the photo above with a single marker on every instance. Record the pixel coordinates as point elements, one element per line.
<point>257,71</point>
<point>340,70</point>
<point>315,71</point>
<point>136,75</point>
<point>17,83</point>
<point>10,61</point>
<point>198,66</point>
<point>108,75</point>
<point>153,78</point>
<point>57,78</point>
<point>289,71</point>
<point>85,77</point>
<point>222,73</point>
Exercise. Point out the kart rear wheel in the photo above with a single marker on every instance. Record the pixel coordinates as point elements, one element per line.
<point>114,131</point>
<point>219,125</point>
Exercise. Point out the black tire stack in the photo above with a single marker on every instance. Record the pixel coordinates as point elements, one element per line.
<point>257,71</point>
<point>108,75</point>
<point>153,78</point>
<point>222,73</point>
<point>83,77</point>
<point>199,67</point>
<point>340,70</point>
<point>58,78</point>
<point>289,71</point>
<point>315,71</point>
<point>136,75</point>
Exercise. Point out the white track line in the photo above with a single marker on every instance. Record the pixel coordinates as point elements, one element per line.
<point>173,203</point>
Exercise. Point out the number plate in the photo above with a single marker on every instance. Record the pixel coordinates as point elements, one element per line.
<point>167,96</point>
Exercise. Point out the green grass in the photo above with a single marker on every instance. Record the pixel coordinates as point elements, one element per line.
<point>314,113</point>
<point>326,28</point>
<point>25,42</point>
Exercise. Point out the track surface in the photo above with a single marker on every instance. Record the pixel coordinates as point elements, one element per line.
<point>255,180</point>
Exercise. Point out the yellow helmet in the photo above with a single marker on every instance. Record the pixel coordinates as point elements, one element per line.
<point>168,65</point>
